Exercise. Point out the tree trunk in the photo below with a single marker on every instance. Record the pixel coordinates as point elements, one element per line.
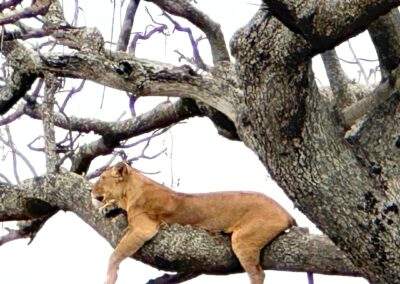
<point>345,186</point>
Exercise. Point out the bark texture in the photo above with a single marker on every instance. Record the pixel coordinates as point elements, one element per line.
<point>346,183</point>
<point>297,135</point>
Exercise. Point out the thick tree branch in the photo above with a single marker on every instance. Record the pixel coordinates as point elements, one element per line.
<point>382,92</point>
<point>184,9</point>
<point>385,35</point>
<point>9,4</point>
<point>299,141</point>
<point>22,76</point>
<point>327,23</point>
<point>17,84</point>
<point>161,116</point>
<point>338,80</point>
<point>51,86</point>
<point>40,7</point>
<point>175,248</point>
<point>145,77</point>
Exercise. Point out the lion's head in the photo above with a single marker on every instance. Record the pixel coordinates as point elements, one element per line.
<point>111,185</point>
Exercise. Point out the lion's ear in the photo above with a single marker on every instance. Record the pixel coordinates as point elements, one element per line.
<point>120,169</point>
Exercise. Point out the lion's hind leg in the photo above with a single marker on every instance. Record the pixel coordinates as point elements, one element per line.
<point>248,240</point>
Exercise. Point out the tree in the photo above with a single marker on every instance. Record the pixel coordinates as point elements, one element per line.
<point>335,156</point>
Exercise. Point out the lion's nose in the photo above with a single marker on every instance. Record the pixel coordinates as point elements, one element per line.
<point>100,198</point>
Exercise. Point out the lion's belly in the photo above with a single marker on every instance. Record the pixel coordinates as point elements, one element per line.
<point>217,211</point>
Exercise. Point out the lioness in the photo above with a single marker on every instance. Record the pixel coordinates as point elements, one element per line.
<point>253,219</point>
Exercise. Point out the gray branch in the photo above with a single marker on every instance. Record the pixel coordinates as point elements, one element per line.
<point>385,35</point>
<point>127,24</point>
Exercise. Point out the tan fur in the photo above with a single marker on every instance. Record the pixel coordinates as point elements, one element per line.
<point>253,219</point>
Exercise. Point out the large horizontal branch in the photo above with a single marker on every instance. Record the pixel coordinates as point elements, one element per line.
<point>327,23</point>
<point>184,9</point>
<point>143,77</point>
<point>160,116</point>
<point>175,248</point>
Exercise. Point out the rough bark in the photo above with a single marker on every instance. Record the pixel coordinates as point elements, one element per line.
<point>269,100</point>
<point>386,38</point>
<point>312,162</point>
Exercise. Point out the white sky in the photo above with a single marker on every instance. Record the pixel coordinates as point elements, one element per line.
<point>66,250</point>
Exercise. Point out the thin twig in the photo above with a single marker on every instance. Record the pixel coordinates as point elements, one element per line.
<point>146,139</point>
<point>13,153</point>
<point>197,60</point>
<point>3,177</point>
<point>362,71</point>
<point>71,93</point>
<point>16,152</point>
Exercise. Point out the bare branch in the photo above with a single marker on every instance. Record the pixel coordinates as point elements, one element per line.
<point>15,88</point>
<point>317,23</point>
<point>161,116</point>
<point>10,143</point>
<point>138,36</point>
<point>76,14</point>
<point>52,86</point>
<point>12,117</point>
<point>3,177</point>
<point>127,24</point>
<point>184,9</point>
<point>26,229</point>
<point>146,139</point>
<point>9,4</point>
<point>362,71</point>
<point>72,92</point>
<point>39,7</point>
<point>385,35</point>
<point>15,153</point>
<point>21,78</point>
<point>338,80</point>
<point>197,60</point>
<point>124,156</point>
<point>381,93</point>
